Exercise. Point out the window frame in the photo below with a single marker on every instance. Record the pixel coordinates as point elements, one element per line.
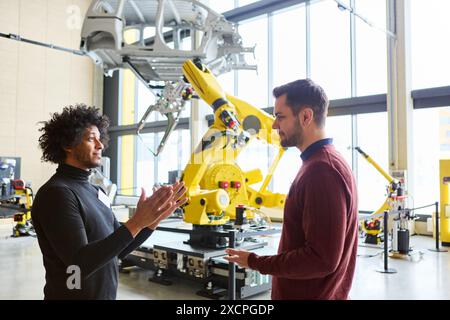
<point>354,105</point>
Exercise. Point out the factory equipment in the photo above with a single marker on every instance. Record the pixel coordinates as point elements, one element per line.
<point>395,204</point>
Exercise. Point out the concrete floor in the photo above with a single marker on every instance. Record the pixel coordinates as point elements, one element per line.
<point>425,275</point>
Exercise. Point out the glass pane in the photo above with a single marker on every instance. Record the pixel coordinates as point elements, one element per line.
<point>371,50</point>
<point>125,169</point>
<point>184,147</point>
<point>430,48</point>
<point>168,159</point>
<point>127,102</point>
<point>253,86</point>
<point>174,157</point>
<point>373,140</point>
<point>145,98</point>
<point>145,171</point>
<point>289,54</point>
<point>131,35</point>
<point>340,129</point>
<point>330,49</point>
<point>186,113</point>
<point>226,81</point>
<point>286,170</point>
<point>220,6</point>
<point>149,32</point>
<point>431,143</point>
<point>255,156</point>
<point>186,43</point>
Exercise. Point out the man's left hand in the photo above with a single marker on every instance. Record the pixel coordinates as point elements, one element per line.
<point>238,256</point>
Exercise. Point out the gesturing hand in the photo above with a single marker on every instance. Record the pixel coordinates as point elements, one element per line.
<point>150,211</point>
<point>237,256</point>
<point>177,199</point>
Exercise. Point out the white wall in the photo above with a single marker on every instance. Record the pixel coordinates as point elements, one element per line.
<point>37,81</point>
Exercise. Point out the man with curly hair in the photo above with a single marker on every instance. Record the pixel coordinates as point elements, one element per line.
<point>80,239</point>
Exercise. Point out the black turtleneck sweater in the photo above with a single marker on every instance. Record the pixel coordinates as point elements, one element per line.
<point>75,228</point>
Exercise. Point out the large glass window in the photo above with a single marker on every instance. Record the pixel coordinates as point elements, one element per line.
<point>330,49</point>
<point>168,160</point>
<point>371,50</point>
<point>372,132</point>
<point>431,143</point>
<point>430,48</point>
<point>145,163</point>
<point>253,87</point>
<point>174,157</point>
<point>145,98</point>
<point>286,170</point>
<point>340,129</point>
<point>330,57</point>
<point>254,156</point>
<point>127,98</point>
<point>126,166</point>
<point>137,166</point>
<point>184,152</point>
<point>289,45</point>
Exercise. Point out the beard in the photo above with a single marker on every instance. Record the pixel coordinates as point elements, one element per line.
<point>295,138</point>
<point>86,160</point>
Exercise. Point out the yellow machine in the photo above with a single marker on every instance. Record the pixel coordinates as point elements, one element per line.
<point>372,230</point>
<point>372,226</point>
<point>18,198</point>
<point>394,186</point>
<point>24,200</point>
<point>215,184</point>
<point>395,204</point>
<point>444,178</point>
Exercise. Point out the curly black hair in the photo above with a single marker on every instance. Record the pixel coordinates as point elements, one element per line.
<point>66,129</point>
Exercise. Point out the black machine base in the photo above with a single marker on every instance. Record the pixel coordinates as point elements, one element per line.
<point>159,277</point>
<point>215,293</point>
<point>373,239</point>
<point>204,240</point>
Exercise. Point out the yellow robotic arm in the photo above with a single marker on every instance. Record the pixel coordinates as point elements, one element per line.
<point>215,183</point>
<point>393,183</point>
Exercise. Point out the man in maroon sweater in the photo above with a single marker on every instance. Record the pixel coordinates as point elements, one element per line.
<point>317,251</point>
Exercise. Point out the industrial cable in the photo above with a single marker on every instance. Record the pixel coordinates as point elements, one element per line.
<point>426,206</point>
<point>17,37</point>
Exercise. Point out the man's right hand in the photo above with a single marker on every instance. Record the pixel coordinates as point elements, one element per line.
<point>150,211</point>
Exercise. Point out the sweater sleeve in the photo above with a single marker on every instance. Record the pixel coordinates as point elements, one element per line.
<point>324,225</point>
<point>58,215</point>
<point>138,240</point>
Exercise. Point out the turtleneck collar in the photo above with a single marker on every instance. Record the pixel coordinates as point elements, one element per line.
<point>314,147</point>
<point>73,172</point>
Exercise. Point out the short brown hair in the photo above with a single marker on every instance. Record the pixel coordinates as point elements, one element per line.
<point>302,93</point>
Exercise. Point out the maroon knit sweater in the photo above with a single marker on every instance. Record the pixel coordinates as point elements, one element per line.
<point>317,251</point>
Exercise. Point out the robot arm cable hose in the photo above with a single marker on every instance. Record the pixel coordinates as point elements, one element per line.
<point>375,165</point>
